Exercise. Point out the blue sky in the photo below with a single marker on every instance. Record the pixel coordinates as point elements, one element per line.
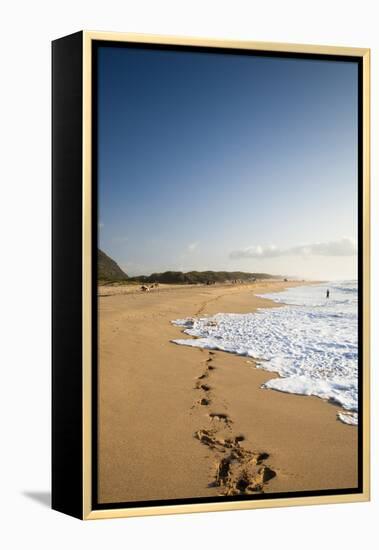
<point>215,161</point>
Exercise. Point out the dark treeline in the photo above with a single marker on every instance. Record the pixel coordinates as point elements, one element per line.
<point>199,277</point>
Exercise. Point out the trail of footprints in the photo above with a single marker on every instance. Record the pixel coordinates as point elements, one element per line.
<point>238,471</point>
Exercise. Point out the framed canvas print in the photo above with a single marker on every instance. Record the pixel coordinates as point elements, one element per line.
<point>210,275</point>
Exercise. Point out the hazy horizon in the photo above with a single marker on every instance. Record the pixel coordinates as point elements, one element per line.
<point>227,163</point>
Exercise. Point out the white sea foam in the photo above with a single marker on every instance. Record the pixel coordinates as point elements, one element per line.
<point>311,342</point>
<point>348,417</point>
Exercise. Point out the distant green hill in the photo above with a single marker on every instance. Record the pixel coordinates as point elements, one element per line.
<point>108,269</point>
<point>202,277</point>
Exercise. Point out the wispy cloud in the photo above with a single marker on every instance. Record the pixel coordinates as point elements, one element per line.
<point>341,247</point>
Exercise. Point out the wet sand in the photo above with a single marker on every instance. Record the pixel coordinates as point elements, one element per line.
<point>178,422</point>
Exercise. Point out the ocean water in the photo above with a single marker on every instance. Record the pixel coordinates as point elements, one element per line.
<point>311,342</point>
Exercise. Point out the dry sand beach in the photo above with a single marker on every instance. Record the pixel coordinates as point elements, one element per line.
<point>178,422</point>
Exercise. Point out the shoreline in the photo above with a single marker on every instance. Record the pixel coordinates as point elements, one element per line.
<point>170,417</point>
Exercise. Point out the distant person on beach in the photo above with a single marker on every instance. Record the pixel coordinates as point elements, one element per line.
<point>327,293</point>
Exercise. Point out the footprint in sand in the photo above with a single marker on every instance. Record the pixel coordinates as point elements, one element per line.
<point>205,402</point>
<point>221,417</point>
<point>204,387</point>
<point>239,471</point>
